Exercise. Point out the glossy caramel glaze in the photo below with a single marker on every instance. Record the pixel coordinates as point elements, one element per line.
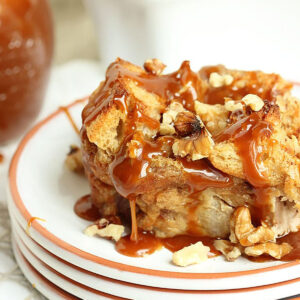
<point>145,244</point>
<point>127,172</point>
<point>1,158</point>
<point>201,174</point>
<point>246,135</point>
<point>168,87</point>
<point>85,209</point>
<point>216,95</point>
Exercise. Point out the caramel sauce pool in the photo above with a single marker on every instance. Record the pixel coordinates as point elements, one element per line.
<point>85,209</point>
<point>147,243</point>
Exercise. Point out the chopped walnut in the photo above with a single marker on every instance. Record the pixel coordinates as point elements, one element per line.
<point>167,125</point>
<point>253,101</point>
<point>197,147</point>
<point>190,255</point>
<point>105,229</point>
<point>186,123</point>
<point>229,250</point>
<point>154,66</point>
<point>73,160</point>
<point>244,232</point>
<point>233,105</point>
<point>275,250</point>
<point>216,80</point>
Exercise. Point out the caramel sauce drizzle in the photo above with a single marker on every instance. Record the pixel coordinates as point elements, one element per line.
<point>71,120</point>
<point>134,228</point>
<point>246,135</point>
<point>1,158</point>
<point>30,221</point>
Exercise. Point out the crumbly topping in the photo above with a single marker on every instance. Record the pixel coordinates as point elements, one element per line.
<point>73,160</point>
<point>216,80</point>
<point>106,230</point>
<point>190,255</point>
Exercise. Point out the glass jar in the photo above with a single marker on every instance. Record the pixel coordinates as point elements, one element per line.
<point>26,48</point>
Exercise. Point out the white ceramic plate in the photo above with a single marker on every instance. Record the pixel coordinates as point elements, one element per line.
<point>29,248</point>
<point>43,285</point>
<point>64,284</point>
<point>41,187</point>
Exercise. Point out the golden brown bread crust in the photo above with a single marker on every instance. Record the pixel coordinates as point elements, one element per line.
<point>133,108</point>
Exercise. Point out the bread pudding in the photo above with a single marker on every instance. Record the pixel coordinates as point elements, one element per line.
<point>213,153</point>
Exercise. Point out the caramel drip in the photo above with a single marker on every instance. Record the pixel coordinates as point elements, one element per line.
<point>246,135</point>
<point>134,229</point>
<point>30,221</point>
<point>1,158</point>
<point>72,122</point>
<point>130,175</point>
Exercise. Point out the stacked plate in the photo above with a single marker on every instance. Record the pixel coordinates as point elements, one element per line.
<point>63,263</point>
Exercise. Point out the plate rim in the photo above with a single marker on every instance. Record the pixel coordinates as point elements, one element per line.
<point>12,177</point>
<point>158,289</point>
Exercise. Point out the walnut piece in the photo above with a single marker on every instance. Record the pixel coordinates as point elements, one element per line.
<point>274,250</point>
<point>216,80</point>
<point>154,66</point>
<point>186,123</point>
<point>233,105</point>
<point>197,147</point>
<point>168,119</point>
<point>242,230</point>
<point>105,229</point>
<point>253,101</point>
<point>190,255</point>
<point>229,250</point>
<point>73,160</point>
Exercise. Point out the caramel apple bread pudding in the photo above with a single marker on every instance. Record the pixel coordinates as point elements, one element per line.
<point>201,162</point>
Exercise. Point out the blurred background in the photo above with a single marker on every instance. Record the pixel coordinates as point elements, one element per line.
<point>240,34</point>
<point>75,36</point>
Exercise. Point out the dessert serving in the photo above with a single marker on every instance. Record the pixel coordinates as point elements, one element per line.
<point>199,162</point>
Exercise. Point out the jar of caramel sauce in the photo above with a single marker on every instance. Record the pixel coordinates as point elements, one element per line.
<point>26,48</point>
